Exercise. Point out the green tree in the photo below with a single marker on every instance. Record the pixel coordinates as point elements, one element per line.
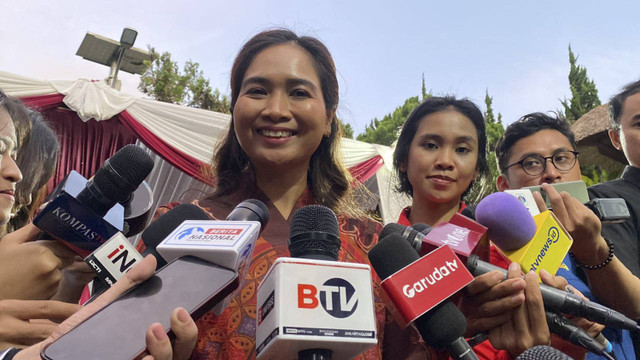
<point>163,81</point>
<point>495,129</point>
<point>347,130</point>
<point>385,131</point>
<point>425,94</point>
<point>584,95</point>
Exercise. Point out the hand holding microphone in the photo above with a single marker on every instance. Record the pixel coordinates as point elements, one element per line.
<point>30,269</point>
<point>527,326</point>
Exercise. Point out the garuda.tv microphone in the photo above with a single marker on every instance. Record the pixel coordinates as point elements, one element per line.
<point>309,305</point>
<point>418,290</point>
<point>84,214</point>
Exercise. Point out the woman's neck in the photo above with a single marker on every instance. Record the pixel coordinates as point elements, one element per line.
<point>432,213</point>
<point>282,187</point>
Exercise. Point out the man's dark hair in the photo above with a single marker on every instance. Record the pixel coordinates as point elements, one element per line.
<point>526,126</point>
<point>616,103</point>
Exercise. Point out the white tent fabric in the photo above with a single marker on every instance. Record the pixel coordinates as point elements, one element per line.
<point>191,131</point>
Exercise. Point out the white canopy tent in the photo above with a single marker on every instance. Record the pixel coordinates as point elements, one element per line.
<point>182,139</point>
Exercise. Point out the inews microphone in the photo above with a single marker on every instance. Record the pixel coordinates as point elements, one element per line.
<point>311,306</point>
<point>418,288</point>
<point>564,302</point>
<point>228,243</point>
<point>84,214</point>
<point>535,243</point>
<point>543,352</point>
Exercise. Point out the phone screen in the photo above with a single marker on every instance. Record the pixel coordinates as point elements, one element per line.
<point>118,330</point>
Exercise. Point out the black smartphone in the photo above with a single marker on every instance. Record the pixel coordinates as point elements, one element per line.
<point>118,330</point>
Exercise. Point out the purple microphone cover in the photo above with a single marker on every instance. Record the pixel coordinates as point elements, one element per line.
<point>509,222</point>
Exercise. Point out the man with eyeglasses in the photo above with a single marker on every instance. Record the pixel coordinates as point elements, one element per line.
<point>539,150</point>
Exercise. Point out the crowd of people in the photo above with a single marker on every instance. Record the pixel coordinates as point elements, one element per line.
<point>283,148</point>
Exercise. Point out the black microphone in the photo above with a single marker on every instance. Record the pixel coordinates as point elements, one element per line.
<point>575,335</point>
<point>164,225</point>
<point>314,235</point>
<point>564,302</point>
<point>78,213</point>
<point>443,326</point>
<point>543,352</point>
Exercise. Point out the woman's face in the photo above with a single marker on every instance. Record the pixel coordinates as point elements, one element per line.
<point>442,157</point>
<point>280,116</point>
<point>9,172</point>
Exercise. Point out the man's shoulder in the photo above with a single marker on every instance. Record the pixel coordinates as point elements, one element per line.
<point>611,188</point>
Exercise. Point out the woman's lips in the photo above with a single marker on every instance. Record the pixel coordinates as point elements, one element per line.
<point>441,179</point>
<point>8,193</point>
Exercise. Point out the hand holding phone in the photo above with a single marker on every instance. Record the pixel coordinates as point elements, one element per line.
<point>185,334</point>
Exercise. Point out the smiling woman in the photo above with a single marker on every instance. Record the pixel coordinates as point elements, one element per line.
<point>441,151</point>
<point>9,172</point>
<point>282,148</point>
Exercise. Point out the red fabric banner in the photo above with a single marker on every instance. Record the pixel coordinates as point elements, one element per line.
<point>366,169</point>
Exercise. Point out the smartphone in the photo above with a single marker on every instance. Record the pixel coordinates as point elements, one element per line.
<point>118,330</point>
<point>577,189</point>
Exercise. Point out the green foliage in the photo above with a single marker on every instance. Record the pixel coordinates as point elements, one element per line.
<point>347,130</point>
<point>163,81</point>
<point>385,131</point>
<point>593,174</point>
<point>584,95</point>
<point>425,94</point>
<point>495,129</point>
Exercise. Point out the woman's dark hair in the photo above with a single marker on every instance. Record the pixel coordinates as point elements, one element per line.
<point>526,126</point>
<point>429,106</point>
<point>37,156</point>
<point>328,180</point>
<point>19,114</point>
<point>617,102</point>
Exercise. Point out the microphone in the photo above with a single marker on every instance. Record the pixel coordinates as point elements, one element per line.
<point>113,259</point>
<point>228,243</point>
<point>543,352</point>
<point>164,225</point>
<point>310,306</point>
<point>137,210</point>
<point>84,214</point>
<point>404,282</point>
<point>564,302</point>
<point>535,243</point>
<point>572,333</point>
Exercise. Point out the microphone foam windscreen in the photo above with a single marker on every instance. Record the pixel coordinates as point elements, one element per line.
<point>122,173</point>
<point>424,229</point>
<point>314,233</point>
<point>169,221</point>
<point>441,325</point>
<point>391,254</point>
<point>545,352</point>
<point>509,222</point>
<point>250,210</point>
<point>391,228</point>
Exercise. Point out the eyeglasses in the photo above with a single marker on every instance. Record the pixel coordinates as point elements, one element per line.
<point>535,165</point>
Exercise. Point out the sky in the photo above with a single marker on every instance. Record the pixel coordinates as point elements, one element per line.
<point>516,50</point>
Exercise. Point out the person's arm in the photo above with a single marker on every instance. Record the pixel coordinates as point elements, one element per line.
<point>158,345</point>
<point>590,248</point>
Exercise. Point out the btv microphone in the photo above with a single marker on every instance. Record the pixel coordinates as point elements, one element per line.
<point>84,214</point>
<point>414,285</point>
<point>311,306</point>
<point>564,302</point>
<point>535,243</point>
